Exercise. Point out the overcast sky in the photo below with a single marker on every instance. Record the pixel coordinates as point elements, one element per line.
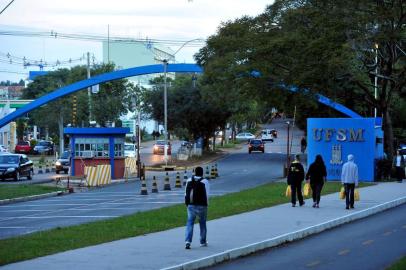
<point>155,19</point>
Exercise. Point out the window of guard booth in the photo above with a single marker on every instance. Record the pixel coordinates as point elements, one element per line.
<point>92,147</point>
<point>118,147</point>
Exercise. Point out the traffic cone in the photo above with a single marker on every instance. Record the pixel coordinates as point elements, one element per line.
<point>216,170</point>
<point>47,167</point>
<point>212,172</point>
<point>40,171</point>
<point>154,185</point>
<point>144,190</point>
<point>207,174</point>
<point>178,184</point>
<point>185,178</point>
<point>167,185</point>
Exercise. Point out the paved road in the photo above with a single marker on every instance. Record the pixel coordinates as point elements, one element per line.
<point>371,243</point>
<point>237,171</point>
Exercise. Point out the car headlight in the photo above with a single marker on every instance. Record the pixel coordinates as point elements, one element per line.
<point>58,163</point>
<point>11,169</point>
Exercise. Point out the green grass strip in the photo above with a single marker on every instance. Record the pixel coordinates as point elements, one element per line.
<point>399,265</point>
<point>73,237</point>
<point>9,191</point>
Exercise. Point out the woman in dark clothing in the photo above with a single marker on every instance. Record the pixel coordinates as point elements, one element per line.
<point>317,174</point>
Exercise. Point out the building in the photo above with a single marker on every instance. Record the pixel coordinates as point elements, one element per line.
<point>125,54</point>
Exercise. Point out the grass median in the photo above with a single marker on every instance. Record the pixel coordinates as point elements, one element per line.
<point>73,237</point>
<point>11,191</point>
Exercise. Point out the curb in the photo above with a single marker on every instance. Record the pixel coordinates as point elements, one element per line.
<point>288,237</point>
<point>31,198</point>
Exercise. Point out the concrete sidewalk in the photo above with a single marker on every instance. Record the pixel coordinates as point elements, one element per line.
<point>228,237</point>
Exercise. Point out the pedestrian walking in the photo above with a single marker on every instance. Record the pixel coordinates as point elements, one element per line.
<point>349,178</point>
<point>316,175</point>
<point>196,199</point>
<point>295,179</point>
<point>303,145</point>
<point>399,166</point>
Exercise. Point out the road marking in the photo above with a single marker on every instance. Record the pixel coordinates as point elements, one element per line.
<point>16,227</point>
<point>368,242</point>
<point>44,217</point>
<point>387,233</point>
<point>343,252</point>
<point>312,264</point>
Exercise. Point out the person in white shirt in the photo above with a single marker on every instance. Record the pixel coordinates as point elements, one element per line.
<point>399,165</point>
<point>349,178</point>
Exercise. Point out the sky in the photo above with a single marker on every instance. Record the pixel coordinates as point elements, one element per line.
<point>155,19</point>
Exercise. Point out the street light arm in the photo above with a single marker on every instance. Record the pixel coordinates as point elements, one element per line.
<point>184,44</point>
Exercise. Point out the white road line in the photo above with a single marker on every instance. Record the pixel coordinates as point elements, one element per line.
<point>45,217</point>
<point>14,227</point>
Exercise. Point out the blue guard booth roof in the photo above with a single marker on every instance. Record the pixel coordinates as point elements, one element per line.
<point>96,131</point>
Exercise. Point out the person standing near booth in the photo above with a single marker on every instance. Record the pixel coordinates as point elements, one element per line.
<point>317,174</point>
<point>399,165</point>
<point>349,178</point>
<point>295,179</point>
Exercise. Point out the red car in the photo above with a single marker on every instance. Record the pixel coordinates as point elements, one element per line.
<point>256,145</point>
<point>23,147</point>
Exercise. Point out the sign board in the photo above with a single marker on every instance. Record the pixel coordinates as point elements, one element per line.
<point>129,124</point>
<point>335,138</point>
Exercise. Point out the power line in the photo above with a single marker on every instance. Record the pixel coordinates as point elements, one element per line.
<point>6,6</point>
<point>101,38</point>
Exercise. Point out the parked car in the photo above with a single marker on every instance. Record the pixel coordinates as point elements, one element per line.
<point>130,150</point>
<point>63,162</point>
<point>245,136</point>
<point>23,147</point>
<point>256,145</point>
<point>15,166</point>
<point>3,148</point>
<point>46,147</point>
<point>159,147</point>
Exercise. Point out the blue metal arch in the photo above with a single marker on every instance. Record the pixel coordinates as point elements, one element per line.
<point>143,70</point>
<point>119,74</point>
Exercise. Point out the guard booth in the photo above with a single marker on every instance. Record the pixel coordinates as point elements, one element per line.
<point>97,146</point>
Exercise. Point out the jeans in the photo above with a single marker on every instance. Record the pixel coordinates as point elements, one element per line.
<point>349,195</point>
<point>194,211</point>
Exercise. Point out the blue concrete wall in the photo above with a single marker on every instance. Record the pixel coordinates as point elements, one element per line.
<point>336,138</point>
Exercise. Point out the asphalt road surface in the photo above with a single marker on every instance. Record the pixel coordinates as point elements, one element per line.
<point>371,243</point>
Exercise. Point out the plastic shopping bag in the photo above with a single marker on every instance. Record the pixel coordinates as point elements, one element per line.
<point>356,194</point>
<point>342,193</point>
<point>306,189</point>
<point>288,192</point>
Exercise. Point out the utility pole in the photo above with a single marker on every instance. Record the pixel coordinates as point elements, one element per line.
<point>89,89</point>
<point>165,62</point>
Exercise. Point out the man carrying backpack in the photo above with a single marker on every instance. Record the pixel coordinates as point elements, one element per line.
<point>196,200</point>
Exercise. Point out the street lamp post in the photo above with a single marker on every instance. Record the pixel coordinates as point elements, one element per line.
<point>287,150</point>
<point>165,63</point>
<point>376,78</point>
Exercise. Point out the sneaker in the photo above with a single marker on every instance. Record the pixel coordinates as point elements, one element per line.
<point>352,206</point>
<point>293,205</point>
<point>203,245</point>
<point>187,246</point>
<point>347,207</point>
<point>317,205</point>
<point>301,204</point>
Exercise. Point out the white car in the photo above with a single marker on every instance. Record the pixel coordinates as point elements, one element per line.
<point>3,148</point>
<point>245,136</point>
<point>130,150</point>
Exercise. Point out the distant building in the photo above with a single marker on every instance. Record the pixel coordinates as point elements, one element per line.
<point>134,54</point>
<point>11,92</point>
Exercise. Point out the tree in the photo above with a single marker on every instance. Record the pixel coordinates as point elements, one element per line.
<point>187,109</point>
<point>108,104</point>
<point>322,47</point>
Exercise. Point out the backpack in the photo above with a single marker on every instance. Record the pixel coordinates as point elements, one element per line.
<point>196,192</point>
